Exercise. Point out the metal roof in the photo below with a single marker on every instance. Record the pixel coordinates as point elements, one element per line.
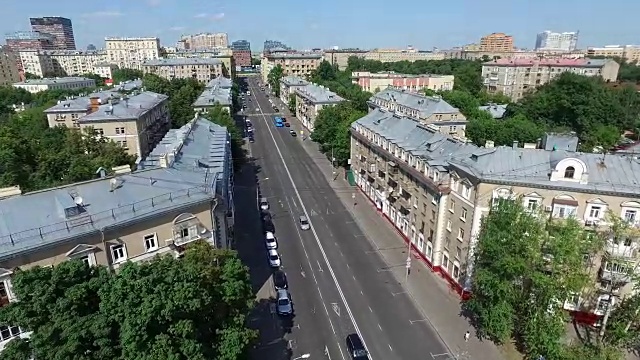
<point>425,105</point>
<point>318,94</point>
<point>182,61</point>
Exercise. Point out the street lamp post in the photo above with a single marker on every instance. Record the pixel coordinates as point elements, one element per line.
<point>305,356</point>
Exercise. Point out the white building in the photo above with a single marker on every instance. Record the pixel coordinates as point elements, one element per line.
<point>104,70</point>
<point>46,63</point>
<point>130,53</point>
<point>67,83</point>
<point>548,40</point>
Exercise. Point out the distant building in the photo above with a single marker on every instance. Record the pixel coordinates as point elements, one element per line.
<point>91,47</point>
<point>631,53</point>
<point>310,99</point>
<point>223,54</point>
<point>373,82</point>
<point>273,44</point>
<point>241,45</point>
<point>409,54</point>
<point>241,57</point>
<point>104,70</point>
<point>496,42</point>
<point>130,53</point>
<point>548,40</point>
<point>65,83</point>
<point>296,63</point>
<point>341,57</point>
<point>288,86</point>
<point>58,27</point>
<point>9,73</point>
<point>514,77</point>
<point>204,41</point>
<point>45,63</point>
<point>217,92</point>
<point>200,69</point>
<point>29,40</point>
<point>136,122</point>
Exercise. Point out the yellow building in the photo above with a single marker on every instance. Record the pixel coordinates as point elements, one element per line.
<point>299,64</point>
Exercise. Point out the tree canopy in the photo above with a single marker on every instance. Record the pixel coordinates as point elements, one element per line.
<point>182,94</point>
<point>121,75</point>
<point>273,79</point>
<point>190,308</point>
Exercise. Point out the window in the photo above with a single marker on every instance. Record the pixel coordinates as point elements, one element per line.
<point>445,261</point>
<point>466,191</point>
<point>150,242</point>
<point>435,175</point>
<point>456,271</point>
<point>603,304</point>
<point>8,332</point>
<point>563,211</point>
<point>449,225</point>
<point>569,172</point>
<point>630,216</point>
<point>123,144</point>
<point>452,206</point>
<point>595,211</point>
<point>119,131</point>
<point>85,259</point>
<point>4,293</point>
<point>98,131</point>
<point>532,204</point>
<point>458,252</point>
<point>463,215</point>
<point>433,215</point>
<point>616,267</point>
<point>455,184</point>
<point>118,253</point>
<point>460,234</point>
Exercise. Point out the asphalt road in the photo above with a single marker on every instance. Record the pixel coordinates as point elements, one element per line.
<point>339,283</point>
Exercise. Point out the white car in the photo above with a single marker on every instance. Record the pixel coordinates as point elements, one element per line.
<point>264,204</point>
<point>271,240</point>
<point>274,258</point>
<point>257,110</point>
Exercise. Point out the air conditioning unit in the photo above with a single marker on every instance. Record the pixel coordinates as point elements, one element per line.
<point>548,208</point>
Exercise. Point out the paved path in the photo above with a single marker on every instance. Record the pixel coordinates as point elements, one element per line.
<point>431,294</point>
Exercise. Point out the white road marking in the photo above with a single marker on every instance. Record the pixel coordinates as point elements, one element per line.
<point>371,310</point>
<point>379,327</point>
<point>390,348</point>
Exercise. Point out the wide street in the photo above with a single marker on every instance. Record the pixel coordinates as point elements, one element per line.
<point>338,281</point>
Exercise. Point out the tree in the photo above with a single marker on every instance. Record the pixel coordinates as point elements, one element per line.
<point>190,308</point>
<point>292,103</point>
<point>121,75</point>
<point>182,94</point>
<point>273,78</point>
<point>97,78</point>
<point>331,130</point>
<point>30,76</point>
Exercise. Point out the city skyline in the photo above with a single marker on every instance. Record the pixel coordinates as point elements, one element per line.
<point>438,26</point>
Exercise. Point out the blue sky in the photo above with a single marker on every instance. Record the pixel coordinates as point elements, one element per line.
<point>325,23</point>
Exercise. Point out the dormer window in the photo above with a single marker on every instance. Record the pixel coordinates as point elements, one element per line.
<point>569,172</point>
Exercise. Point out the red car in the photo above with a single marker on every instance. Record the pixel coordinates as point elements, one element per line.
<point>287,124</point>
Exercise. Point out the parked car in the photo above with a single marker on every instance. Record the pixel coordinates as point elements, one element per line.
<point>270,240</point>
<point>287,124</point>
<point>304,222</point>
<point>293,133</point>
<point>267,223</point>
<point>280,280</point>
<point>274,258</point>
<point>264,204</point>
<point>356,347</point>
<point>284,305</point>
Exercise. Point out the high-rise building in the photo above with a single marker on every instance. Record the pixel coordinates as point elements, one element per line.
<point>58,27</point>
<point>273,44</point>
<point>29,40</point>
<point>241,52</point>
<point>241,45</point>
<point>203,41</point>
<point>496,42</point>
<point>130,53</point>
<point>548,40</point>
<point>9,73</point>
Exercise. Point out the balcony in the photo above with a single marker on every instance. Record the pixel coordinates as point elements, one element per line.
<point>187,228</point>
<point>616,272</point>
<point>621,249</point>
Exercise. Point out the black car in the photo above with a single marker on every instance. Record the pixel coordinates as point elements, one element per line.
<point>251,139</point>
<point>293,133</point>
<point>267,223</point>
<point>276,109</point>
<point>356,347</point>
<point>280,280</point>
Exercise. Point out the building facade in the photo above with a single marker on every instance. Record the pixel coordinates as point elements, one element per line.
<point>514,77</point>
<point>410,54</point>
<point>299,64</point>
<point>216,92</point>
<point>9,73</point>
<point>341,57</point>
<point>241,45</point>
<point>631,53</point>
<point>496,42</point>
<point>104,70</point>
<point>136,122</point>
<point>130,53</point>
<point>273,44</point>
<point>548,40</point>
<point>28,40</point>
<point>436,191</point>
<point>224,55</point>
<point>201,69</point>
<point>310,99</point>
<point>58,27</point>
<point>288,86</point>
<point>374,82</point>
<point>124,216</point>
<point>430,111</point>
<point>45,63</point>
<point>242,57</point>
<point>65,83</point>
<point>204,41</point>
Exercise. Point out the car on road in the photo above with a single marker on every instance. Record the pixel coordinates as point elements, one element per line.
<point>275,108</point>
<point>274,258</point>
<point>287,124</point>
<point>251,139</point>
<point>266,95</point>
<point>267,222</point>
<point>356,347</point>
<point>280,280</point>
<point>257,109</point>
<point>284,306</point>
<point>264,204</point>
<point>270,240</point>
<point>304,222</point>
<point>293,133</point>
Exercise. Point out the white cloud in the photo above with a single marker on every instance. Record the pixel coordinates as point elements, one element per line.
<point>103,14</point>
<point>218,16</point>
<point>201,15</point>
<point>177,28</point>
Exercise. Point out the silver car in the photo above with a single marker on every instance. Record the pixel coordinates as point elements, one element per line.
<point>284,306</point>
<point>304,222</point>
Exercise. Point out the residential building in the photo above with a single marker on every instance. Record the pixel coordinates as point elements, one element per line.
<point>515,54</point>
<point>217,92</point>
<point>288,86</point>
<point>299,64</point>
<point>64,83</point>
<point>630,53</point>
<point>341,57</point>
<point>137,122</point>
<point>204,41</point>
<point>496,111</point>
<point>242,57</point>
<point>202,70</point>
<point>37,63</point>
<point>104,70</point>
<point>9,73</point>
<point>310,99</point>
<point>409,54</point>
<point>548,40</point>
<point>514,77</point>
<point>241,45</point>
<point>224,55</point>
<point>427,110</point>
<point>60,62</point>
<point>436,190</point>
<point>169,202</point>
<point>496,42</point>
<point>374,82</point>
<point>130,53</point>
<point>28,40</point>
<point>60,28</point>
<point>273,44</point>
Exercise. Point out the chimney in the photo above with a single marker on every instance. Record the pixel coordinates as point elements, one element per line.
<point>95,104</point>
<point>515,144</point>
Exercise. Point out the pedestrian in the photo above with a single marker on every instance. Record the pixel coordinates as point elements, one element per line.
<point>466,336</point>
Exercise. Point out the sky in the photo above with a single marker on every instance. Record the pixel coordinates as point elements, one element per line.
<point>321,24</point>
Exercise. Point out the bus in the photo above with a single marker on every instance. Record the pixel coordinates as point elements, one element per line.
<point>279,122</point>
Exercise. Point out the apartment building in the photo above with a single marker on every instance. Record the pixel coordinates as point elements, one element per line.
<point>299,64</point>
<point>288,86</point>
<point>410,54</point>
<point>514,77</point>
<point>515,54</point>
<point>224,55</point>
<point>341,57</point>
<point>202,70</point>
<point>131,52</point>
<point>65,83</point>
<point>136,122</point>
<point>204,41</point>
<point>168,203</point>
<point>242,57</point>
<point>374,82</point>
<point>310,99</point>
<point>9,73</point>
<point>104,70</point>
<point>631,53</point>
<point>28,40</point>
<point>497,42</point>
<point>549,40</point>
<point>436,190</point>
<point>61,29</point>
<point>427,110</point>
<point>45,63</point>
<point>217,92</point>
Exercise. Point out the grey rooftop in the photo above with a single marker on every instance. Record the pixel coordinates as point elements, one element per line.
<point>425,105</point>
<point>495,110</point>
<point>318,94</point>
<point>221,82</point>
<point>41,219</point>
<point>52,81</point>
<point>182,61</point>
<point>611,174</point>
<point>291,80</point>
<point>214,95</point>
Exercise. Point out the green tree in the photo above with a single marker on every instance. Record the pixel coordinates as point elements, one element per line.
<point>255,61</point>
<point>292,103</point>
<point>190,308</point>
<point>97,78</point>
<point>331,130</point>
<point>273,79</point>
<point>182,94</point>
<point>30,76</point>
<point>121,75</point>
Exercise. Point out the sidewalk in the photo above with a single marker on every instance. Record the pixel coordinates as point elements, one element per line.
<point>431,294</point>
